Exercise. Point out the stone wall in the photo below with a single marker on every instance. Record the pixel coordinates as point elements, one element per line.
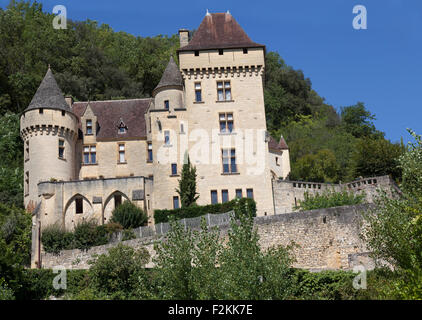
<point>325,238</point>
<point>288,194</point>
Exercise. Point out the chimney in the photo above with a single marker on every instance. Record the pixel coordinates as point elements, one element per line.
<point>69,101</point>
<point>184,37</point>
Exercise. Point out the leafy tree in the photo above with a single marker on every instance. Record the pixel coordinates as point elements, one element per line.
<point>376,157</point>
<point>15,244</point>
<point>358,121</point>
<point>319,167</point>
<point>394,228</point>
<point>187,185</point>
<point>116,275</point>
<point>129,215</point>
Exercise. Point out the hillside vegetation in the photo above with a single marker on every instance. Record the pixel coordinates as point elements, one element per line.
<point>92,62</point>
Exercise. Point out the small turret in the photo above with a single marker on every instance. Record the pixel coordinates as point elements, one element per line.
<point>49,130</point>
<point>168,94</point>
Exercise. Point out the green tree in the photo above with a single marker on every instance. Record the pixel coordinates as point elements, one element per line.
<point>129,215</point>
<point>117,274</point>
<point>394,228</point>
<point>358,121</point>
<point>187,185</point>
<point>376,157</point>
<point>319,167</point>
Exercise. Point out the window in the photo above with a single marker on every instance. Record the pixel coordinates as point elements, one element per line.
<point>182,128</point>
<point>166,104</point>
<point>224,91</point>
<point>226,122</point>
<point>214,197</point>
<point>249,193</point>
<point>176,202</point>
<point>276,161</point>
<point>239,193</point>
<point>122,153</point>
<point>41,110</point>
<point>220,52</point>
<point>63,113</point>
<point>79,205</point>
<point>224,196</point>
<point>61,148</point>
<point>90,155</point>
<point>198,92</point>
<point>117,200</point>
<point>245,50</point>
<point>122,130</point>
<point>88,126</point>
<point>149,152</point>
<point>27,150</point>
<point>229,160</point>
<point>27,182</point>
<point>167,137</point>
<point>196,53</point>
<point>174,168</point>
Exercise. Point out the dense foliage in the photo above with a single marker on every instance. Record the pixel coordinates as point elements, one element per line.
<point>394,232</point>
<point>329,199</point>
<point>15,246</point>
<point>129,215</point>
<point>86,234</point>
<point>244,205</point>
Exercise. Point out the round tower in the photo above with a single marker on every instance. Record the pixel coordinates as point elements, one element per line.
<point>49,130</point>
<point>168,94</point>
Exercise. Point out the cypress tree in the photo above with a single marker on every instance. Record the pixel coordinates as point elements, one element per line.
<point>187,185</point>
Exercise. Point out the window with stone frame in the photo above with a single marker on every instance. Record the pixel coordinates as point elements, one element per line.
<point>26,150</point>
<point>121,148</point>
<point>150,156</point>
<point>61,148</point>
<point>224,91</point>
<point>89,154</point>
<point>229,160</point>
<point>198,92</point>
<point>89,127</point>
<point>26,182</point>
<point>226,122</point>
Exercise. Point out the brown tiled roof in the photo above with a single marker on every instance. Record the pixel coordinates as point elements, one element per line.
<point>110,113</point>
<point>48,95</point>
<point>219,31</point>
<point>281,145</point>
<point>171,76</point>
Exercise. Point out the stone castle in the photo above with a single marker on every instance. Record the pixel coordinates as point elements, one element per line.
<point>82,159</point>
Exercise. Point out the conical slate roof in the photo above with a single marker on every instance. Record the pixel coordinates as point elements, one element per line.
<point>48,95</point>
<point>171,76</point>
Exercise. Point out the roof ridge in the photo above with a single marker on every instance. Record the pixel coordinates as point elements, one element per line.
<point>88,102</point>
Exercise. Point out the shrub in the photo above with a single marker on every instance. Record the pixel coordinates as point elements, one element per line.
<point>244,205</point>
<point>329,199</point>
<point>128,235</point>
<point>54,239</point>
<point>118,273</point>
<point>113,227</point>
<point>5,292</point>
<point>87,234</point>
<point>129,215</point>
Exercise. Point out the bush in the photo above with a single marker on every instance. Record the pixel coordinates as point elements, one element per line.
<point>129,215</point>
<point>243,205</point>
<point>5,292</point>
<point>329,199</point>
<point>87,234</point>
<point>118,273</point>
<point>55,239</point>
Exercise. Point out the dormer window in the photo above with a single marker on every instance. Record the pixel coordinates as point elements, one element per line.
<point>88,126</point>
<point>122,128</point>
<point>245,50</point>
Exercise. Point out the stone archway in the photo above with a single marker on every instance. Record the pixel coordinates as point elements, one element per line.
<point>110,204</point>
<point>71,217</point>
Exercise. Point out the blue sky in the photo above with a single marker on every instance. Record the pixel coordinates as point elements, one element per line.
<point>380,66</point>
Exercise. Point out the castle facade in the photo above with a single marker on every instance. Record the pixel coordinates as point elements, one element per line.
<point>82,159</point>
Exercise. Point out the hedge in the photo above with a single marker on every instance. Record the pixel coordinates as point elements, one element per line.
<point>244,205</point>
